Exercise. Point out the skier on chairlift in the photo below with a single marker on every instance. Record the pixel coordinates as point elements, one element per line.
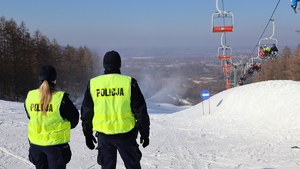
<point>242,78</point>
<point>267,51</point>
<point>255,66</point>
<point>261,51</point>
<point>274,51</point>
<point>294,5</point>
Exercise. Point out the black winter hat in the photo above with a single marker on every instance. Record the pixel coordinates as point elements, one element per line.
<point>47,72</point>
<point>112,60</point>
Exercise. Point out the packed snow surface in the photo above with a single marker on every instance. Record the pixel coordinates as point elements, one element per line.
<point>248,127</point>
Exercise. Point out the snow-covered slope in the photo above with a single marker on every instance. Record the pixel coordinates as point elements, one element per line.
<point>251,126</point>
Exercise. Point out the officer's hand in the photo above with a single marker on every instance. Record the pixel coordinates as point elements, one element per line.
<point>89,141</point>
<point>144,141</point>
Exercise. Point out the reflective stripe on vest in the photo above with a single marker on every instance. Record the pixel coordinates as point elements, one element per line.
<point>111,97</point>
<point>49,129</point>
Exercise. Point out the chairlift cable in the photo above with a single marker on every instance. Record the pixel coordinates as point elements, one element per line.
<point>265,27</point>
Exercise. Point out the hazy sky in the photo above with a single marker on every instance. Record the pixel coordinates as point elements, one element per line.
<point>155,23</point>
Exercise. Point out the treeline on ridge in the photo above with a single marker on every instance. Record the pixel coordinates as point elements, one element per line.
<point>21,54</point>
<point>286,66</point>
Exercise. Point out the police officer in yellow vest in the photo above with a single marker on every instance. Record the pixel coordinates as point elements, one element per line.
<point>115,108</point>
<point>51,116</point>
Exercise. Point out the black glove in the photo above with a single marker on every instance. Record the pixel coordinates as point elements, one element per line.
<point>89,141</point>
<point>144,141</point>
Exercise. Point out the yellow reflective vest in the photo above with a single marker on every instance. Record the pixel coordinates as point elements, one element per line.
<point>111,97</point>
<point>49,129</point>
<point>267,49</point>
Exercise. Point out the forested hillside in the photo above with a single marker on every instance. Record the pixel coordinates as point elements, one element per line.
<point>22,53</point>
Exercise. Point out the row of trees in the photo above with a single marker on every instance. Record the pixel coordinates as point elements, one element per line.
<point>21,54</point>
<point>286,66</point>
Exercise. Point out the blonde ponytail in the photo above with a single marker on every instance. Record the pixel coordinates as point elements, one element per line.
<point>45,95</point>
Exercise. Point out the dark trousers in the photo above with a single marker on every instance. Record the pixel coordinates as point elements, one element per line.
<point>127,147</point>
<point>50,157</point>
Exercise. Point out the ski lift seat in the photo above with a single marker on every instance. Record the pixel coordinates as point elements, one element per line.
<point>224,57</point>
<point>223,29</point>
<point>226,65</point>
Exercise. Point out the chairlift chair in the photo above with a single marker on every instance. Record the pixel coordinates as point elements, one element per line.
<point>222,21</point>
<point>224,52</point>
<point>269,41</point>
<point>254,60</point>
<point>228,86</point>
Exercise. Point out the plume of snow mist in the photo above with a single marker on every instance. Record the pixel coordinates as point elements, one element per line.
<point>161,89</point>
